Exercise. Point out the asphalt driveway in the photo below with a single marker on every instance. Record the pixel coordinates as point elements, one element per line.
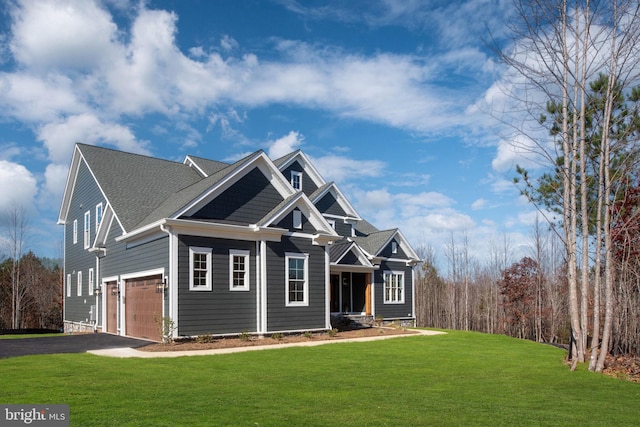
<point>79,343</point>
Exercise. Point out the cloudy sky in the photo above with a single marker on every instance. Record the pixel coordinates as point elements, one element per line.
<point>388,97</point>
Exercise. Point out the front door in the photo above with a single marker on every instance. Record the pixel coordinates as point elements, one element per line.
<point>335,293</point>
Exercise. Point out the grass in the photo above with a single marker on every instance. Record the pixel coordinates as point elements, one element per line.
<point>455,379</point>
<point>21,336</point>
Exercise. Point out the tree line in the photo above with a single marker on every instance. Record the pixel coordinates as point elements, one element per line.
<point>30,287</point>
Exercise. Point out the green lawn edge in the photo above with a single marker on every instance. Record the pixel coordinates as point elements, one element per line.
<point>459,378</point>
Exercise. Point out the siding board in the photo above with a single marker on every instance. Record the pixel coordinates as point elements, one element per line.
<point>280,317</point>
<point>219,311</point>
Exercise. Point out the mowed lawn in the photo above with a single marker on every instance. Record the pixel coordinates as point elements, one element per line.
<point>454,379</point>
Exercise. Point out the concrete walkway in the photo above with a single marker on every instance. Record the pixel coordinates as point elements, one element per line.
<point>126,352</point>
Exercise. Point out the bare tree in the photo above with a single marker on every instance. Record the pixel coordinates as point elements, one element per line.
<point>16,224</point>
<point>558,48</point>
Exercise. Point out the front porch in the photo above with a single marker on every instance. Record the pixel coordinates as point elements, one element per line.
<point>351,293</point>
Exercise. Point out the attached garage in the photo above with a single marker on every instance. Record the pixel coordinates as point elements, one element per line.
<point>143,307</point>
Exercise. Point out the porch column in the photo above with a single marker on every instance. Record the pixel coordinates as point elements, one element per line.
<point>367,295</point>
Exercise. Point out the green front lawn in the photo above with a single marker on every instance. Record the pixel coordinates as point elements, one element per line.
<point>455,379</point>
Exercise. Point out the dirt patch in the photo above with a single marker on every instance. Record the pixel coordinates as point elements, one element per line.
<point>623,367</point>
<point>276,339</point>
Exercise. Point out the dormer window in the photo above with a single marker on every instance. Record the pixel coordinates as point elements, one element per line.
<point>296,180</point>
<point>394,247</point>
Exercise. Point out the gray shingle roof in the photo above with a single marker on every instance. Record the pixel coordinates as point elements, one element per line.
<point>337,250</point>
<point>209,166</point>
<point>285,158</point>
<point>135,184</point>
<point>374,242</point>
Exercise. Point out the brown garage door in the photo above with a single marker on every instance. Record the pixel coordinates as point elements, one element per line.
<point>143,307</point>
<point>111,294</point>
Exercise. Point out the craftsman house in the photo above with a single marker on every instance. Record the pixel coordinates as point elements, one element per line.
<point>258,246</point>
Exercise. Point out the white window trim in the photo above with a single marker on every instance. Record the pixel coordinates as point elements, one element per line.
<point>297,219</point>
<point>87,229</point>
<point>68,285</point>
<point>193,250</point>
<point>394,247</point>
<point>91,281</point>
<point>305,257</point>
<point>332,223</point>
<point>98,216</point>
<point>400,283</point>
<point>239,253</point>
<point>298,175</point>
<point>75,231</point>
<point>79,283</point>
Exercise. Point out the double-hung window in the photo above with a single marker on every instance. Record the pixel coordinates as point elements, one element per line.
<point>75,231</point>
<point>297,279</point>
<point>87,229</point>
<point>200,269</point>
<point>238,270</point>
<point>296,180</point>
<point>68,285</point>
<point>79,283</point>
<point>91,281</point>
<point>393,287</point>
<point>98,215</point>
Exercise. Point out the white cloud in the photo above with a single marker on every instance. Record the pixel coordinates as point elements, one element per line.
<point>61,34</point>
<point>342,169</point>
<point>60,137</point>
<point>55,177</point>
<point>19,186</point>
<point>479,204</point>
<point>285,145</point>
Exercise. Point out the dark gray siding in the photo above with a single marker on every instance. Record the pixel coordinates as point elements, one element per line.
<point>350,259</point>
<point>287,223</point>
<point>280,317</point>
<point>387,253</point>
<point>308,186</point>
<point>329,205</point>
<point>343,229</point>
<point>86,195</point>
<point>219,311</point>
<point>247,201</point>
<point>393,310</point>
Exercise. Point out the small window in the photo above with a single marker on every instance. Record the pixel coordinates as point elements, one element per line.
<point>297,282</point>
<point>87,229</point>
<point>79,283</point>
<point>394,247</point>
<point>393,287</point>
<point>200,270</point>
<point>332,223</point>
<point>98,216</point>
<point>68,285</point>
<point>75,231</point>
<point>297,219</point>
<point>238,270</point>
<point>91,280</point>
<point>296,180</point>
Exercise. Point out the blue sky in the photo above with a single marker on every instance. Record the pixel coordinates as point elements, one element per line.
<point>389,99</point>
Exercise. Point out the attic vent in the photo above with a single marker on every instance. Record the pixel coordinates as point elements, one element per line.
<point>297,219</point>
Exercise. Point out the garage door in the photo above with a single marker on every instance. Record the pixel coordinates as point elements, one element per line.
<point>143,307</point>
